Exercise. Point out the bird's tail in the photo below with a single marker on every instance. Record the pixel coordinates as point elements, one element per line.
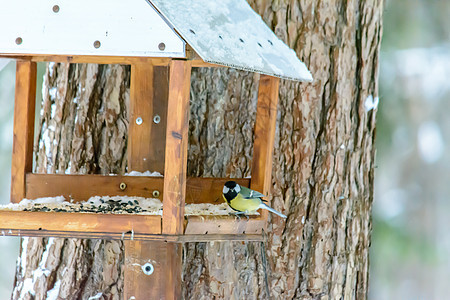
<point>264,206</point>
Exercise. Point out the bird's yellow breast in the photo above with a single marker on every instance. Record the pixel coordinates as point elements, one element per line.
<point>242,204</point>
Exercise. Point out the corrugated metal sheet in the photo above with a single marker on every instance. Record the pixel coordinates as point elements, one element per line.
<point>229,32</point>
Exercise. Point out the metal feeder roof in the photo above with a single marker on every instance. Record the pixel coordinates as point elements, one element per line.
<point>230,33</point>
<point>225,32</point>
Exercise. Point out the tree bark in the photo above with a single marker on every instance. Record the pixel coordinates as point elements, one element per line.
<point>322,174</point>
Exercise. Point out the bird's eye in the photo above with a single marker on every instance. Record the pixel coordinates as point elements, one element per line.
<point>237,188</point>
<point>225,190</point>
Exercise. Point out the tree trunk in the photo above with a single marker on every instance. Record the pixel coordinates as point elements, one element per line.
<point>322,175</point>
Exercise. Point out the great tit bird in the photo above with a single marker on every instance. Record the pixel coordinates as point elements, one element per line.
<point>244,200</point>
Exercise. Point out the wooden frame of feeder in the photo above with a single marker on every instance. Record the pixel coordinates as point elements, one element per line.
<point>165,150</point>
<point>167,142</point>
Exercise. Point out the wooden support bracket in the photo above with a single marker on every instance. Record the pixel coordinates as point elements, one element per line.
<point>148,271</point>
<point>25,99</point>
<point>266,116</point>
<point>176,147</point>
<point>168,134</point>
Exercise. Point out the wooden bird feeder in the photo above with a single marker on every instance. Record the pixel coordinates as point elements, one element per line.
<point>161,40</point>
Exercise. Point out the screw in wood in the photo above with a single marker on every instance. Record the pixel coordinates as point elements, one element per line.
<point>156,119</point>
<point>139,120</point>
<point>19,40</point>
<point>122,186</point>
<point>55,8</point>
<point>148,269</point>
<point>97,44</point>
<point>161,46</point>
<point>156,193</point>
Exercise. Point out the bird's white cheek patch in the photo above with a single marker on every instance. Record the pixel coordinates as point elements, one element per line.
<point>237,188</point>
<point>225,190</point>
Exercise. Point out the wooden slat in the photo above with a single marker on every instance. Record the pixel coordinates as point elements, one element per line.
<point>82,187</point>
<point>25,99</point>
<point>123,60</point>
<point>148,98</point>
<point>146,150</point>
<point>80,222</point>
<point>87,235</point>
<point>133,236</point>
<point>223,225</point>
<point>191,238</point>
<point>172,279</point>
<point>139,285</point>
<point>199,63</point>
<point>208,190</point>
<point>266,115</point>
<point>141,99</point>
<point>176,147</point>
<point>158,133</point>
<point>196,60</point>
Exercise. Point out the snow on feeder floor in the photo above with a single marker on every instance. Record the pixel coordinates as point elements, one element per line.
<point>114,205</point>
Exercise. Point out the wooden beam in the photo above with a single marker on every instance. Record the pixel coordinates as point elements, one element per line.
<point>196,61</point>
<point>147,151</point>
<point>6,231</point>
<point>223,225</point>
<point>191,238</point>
<point>198,190</point>
<point>199,63</point>
<point>146,270</point>
<point>141,117</point>
<point>148,104</point>
<point>172,280</point>
<point>141,157</point>
<point>158,133</point>
<point>266,115</point>
<point>208,190</point>
<point>176,147</point>
<point>80,222</point>
<point>82,187</point>
<point>92,59</point>
<point>24,110</point>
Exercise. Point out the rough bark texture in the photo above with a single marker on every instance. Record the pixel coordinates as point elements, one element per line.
<point>322,175</point>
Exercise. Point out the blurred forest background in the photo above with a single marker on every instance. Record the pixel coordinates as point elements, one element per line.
<point>411,229</point>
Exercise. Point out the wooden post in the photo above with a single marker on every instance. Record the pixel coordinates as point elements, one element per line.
<point>24,109</point>
<point>164,147</point>
<point>148,117</point>
<point>165,260</point>
<point>266,115</point>
<point>176,147</point>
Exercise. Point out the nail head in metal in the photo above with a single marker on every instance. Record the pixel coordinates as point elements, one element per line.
<point>148,269</point>
<point>161,46</point>
<point>19,40</point>
<point>55,8</point>
<point>122,186</point>
<point>156,119</point>
<point>139,120</point>
<point>97,44</point>
<point>156,193</point>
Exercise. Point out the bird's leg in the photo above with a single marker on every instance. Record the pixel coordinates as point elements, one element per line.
<point>238,213</point>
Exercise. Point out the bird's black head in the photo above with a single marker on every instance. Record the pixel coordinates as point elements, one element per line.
<point>230,190</point>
